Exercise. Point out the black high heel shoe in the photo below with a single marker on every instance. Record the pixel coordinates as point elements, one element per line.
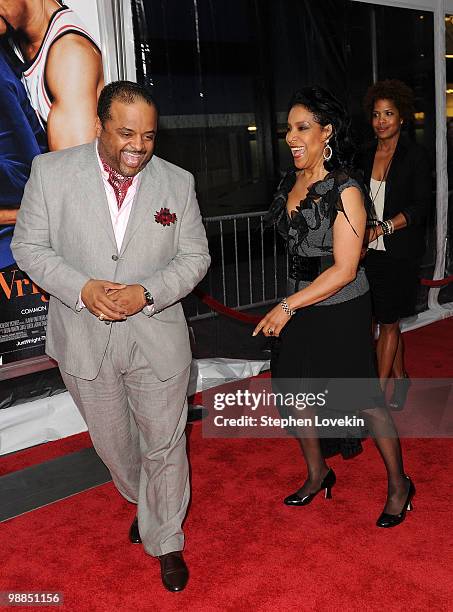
<point>392,520</point>
<point>400,390</point>
<point>328,481</point>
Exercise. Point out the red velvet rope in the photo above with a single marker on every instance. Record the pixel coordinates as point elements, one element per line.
<point>254,320</point>
<point>442,282</point>
<point>222,309</point>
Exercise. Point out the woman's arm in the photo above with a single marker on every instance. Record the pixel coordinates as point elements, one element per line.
<point>371,233</point>
<point>347,244</point>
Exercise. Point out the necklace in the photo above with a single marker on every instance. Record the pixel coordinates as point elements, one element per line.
<point>384,178</point>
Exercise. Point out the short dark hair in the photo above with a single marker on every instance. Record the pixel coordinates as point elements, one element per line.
<point>391,89</point>
<point>123,91</point>
<point>327,109</point>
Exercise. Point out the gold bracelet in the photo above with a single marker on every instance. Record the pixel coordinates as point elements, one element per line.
<point>284,304</point>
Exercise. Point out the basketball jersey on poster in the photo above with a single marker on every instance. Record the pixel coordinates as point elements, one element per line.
<point>63,21</point>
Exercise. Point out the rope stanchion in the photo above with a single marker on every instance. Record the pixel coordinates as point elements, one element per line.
<point>222,309</point>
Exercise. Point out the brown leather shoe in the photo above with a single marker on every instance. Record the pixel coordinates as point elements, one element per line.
<point>173,571</point>
<point>134,534</point>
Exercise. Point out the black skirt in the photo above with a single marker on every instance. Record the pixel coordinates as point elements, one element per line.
<point>393,285</point>
<point>330,348</point>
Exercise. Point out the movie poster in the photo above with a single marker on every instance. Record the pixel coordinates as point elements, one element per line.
<point>31,118</point>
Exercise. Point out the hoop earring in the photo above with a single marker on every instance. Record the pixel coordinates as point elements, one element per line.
<point>327,153</point>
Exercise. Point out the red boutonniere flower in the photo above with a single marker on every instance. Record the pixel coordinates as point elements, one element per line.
<point>164,216</point>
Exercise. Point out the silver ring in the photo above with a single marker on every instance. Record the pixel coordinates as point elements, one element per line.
<point>270,331</point>
<point>101,317</point>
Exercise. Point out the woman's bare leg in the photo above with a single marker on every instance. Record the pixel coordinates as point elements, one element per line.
<point>386,349</point>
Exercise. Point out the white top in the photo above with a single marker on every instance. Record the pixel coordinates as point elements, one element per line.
<point>63,21</point>
<point>377,192</point>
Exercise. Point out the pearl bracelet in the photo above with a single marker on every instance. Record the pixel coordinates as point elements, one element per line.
<point>286,308</point>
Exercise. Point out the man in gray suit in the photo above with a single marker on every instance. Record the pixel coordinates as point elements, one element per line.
<point>114,235</point>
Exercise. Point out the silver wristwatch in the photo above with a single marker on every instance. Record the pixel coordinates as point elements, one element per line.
<point>148,297</point>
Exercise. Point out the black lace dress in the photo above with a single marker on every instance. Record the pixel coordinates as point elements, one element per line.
<point>330,341</point>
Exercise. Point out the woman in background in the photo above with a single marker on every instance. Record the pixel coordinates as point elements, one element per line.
<point>398,173</point>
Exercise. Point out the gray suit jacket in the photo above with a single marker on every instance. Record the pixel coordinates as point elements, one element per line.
<point>64,237</point>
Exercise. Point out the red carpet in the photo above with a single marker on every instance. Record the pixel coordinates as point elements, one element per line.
<point>245,549</point>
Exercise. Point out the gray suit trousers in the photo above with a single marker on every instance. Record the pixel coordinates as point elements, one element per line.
<point>137,425</point>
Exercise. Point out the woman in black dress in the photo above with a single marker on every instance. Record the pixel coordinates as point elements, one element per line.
<point>324,324</point>
<point>398,173</point>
